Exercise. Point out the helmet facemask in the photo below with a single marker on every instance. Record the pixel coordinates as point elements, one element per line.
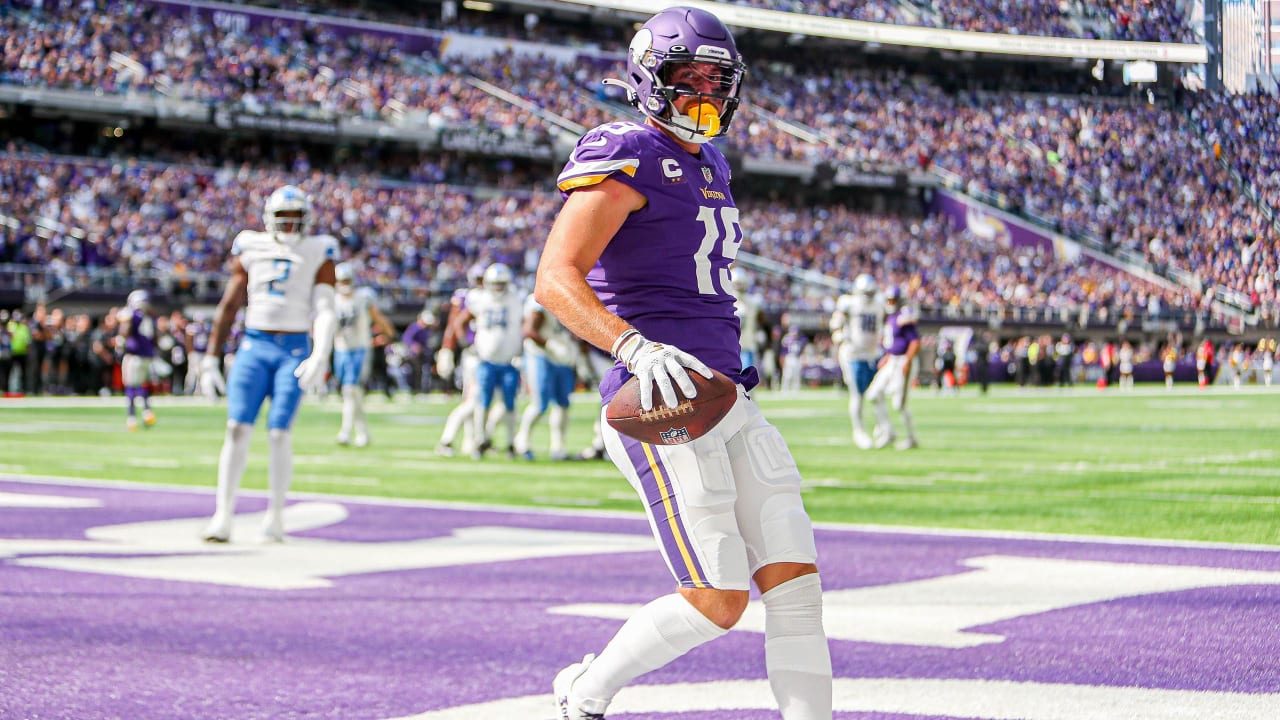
<point>709,111</point>
<point>287,215</point>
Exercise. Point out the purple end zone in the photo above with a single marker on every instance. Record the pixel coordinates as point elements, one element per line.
<point>406,641</point>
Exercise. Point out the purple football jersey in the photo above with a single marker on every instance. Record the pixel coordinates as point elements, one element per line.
<point>899,331</point>
<point>141,338</point>
<point>666,271</point>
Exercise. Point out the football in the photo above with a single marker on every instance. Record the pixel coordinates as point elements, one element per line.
<point>689,420</point>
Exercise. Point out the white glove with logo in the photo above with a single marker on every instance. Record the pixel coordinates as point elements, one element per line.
<point>444,363</point>
<point>653,362</point>
<point>311,372</point>
<point>212,383</point>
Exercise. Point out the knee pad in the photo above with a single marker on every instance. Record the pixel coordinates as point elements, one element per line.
<point>785,533</point>
<point>793,626</point>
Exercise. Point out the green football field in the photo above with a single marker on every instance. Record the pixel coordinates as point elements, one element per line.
<point>1187,464</point>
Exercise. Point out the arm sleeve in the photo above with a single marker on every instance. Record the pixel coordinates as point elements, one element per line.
<point>326,321</point>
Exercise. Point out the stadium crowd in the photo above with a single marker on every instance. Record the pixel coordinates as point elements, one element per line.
<point>1138,178</point>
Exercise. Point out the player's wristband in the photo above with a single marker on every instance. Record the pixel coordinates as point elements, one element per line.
<point>626,343</point>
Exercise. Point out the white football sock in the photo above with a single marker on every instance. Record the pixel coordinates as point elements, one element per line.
<point>479,429</point>
<point>348,409</point>
<point>457,418</point>
<point>231,464</point>
<point>909,423</point>
<point>655,635</point>
<point>527,421</point>
<point>357,397</point>
<point>796,655</point>
<point>882,413</point>
<point>279,476</point>
<point>855,409</point>
<point>509,422</point>
<point>559,421</point>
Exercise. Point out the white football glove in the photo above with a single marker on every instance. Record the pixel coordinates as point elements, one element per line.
<point>653,362</point>
<point>444,363</point>
<point>211,381</point>
<point>311,372</point>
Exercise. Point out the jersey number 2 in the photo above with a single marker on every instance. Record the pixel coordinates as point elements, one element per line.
<point>282,266</point>
<point>720,227</point>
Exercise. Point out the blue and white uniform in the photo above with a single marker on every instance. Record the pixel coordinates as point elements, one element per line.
<point>277,324</point>
<point>858,320</point>
<point>549,371</point>
<point>353,340</point>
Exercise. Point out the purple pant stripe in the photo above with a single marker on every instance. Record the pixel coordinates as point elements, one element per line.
<point>655,480</point>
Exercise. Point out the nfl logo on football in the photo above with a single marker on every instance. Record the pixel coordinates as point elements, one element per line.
<point>675,436</point>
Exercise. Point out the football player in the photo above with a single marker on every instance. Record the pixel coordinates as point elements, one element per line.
<point>138,336</point>
<point>352,343</point>
<point>282,276</point>
<point>1238,361</point>
<point>896,372</point>
<point>1268,359</point>
<point>856,325</point>
<point>637,263</point>
<point>460,417</point>
<point>1170,363</point>
<point>750,316</point>
<point>550,355</point>
<point>496,307</point>
<point>1204,364</point>
<point>1124,359</point>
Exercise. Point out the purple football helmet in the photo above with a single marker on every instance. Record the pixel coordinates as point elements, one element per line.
<point>673,37</point>
<point>893,296</point>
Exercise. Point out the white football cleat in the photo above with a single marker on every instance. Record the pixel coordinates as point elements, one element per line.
<point>362,440</point>
<point>861,439</point>
<point>569,707</point>
<point>883,436</point>
<point>217,532</point>
<point>908,443</point>
<point>271,534</point>
<point>343,438</point>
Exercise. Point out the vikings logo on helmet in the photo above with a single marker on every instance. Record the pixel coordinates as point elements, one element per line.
<point>676,36</point>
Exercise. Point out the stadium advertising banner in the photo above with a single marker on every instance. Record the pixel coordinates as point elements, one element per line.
<point>495,142</point>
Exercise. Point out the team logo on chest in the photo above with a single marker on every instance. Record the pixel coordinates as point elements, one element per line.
<point>706,174</point>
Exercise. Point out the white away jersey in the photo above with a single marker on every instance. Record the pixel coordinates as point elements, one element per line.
<point>860,322</point>
<point>355,327</point>
<point>281,277</point>
<point>562,345</point>
<point>499,324</point>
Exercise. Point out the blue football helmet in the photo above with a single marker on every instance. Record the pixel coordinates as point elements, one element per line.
<point>672,38</point>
